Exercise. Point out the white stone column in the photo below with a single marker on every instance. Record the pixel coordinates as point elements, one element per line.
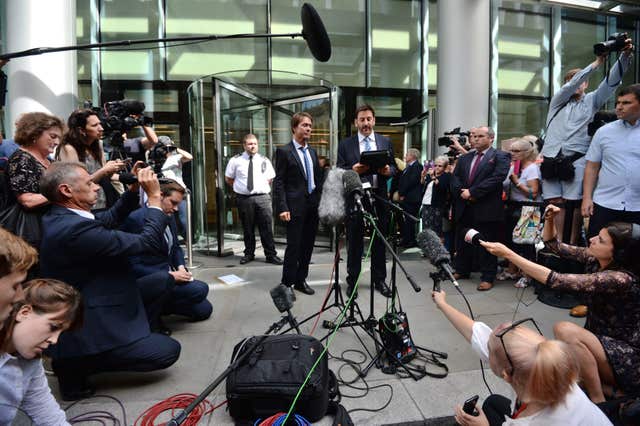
<point>45,82</point>
<point>464,64</point>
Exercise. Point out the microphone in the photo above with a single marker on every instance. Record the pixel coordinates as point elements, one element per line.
<point>473,237</point>
<point>432,248</point>
<point>315,34</point>
<point>353,187</point>
<point>282,297</point>
<point>332,210</point>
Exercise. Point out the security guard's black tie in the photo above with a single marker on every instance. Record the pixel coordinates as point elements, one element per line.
<point>250,177</point>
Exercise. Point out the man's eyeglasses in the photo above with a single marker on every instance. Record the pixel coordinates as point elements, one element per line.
<point>500,334</point>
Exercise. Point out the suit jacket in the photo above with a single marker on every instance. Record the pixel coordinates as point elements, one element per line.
<point>441,195</point>
<point>349,154</point>
<point>290,183</point>
<point>486,187</point>
<point>409,185</point>
<point>167,259</point>
<point>92,256</point>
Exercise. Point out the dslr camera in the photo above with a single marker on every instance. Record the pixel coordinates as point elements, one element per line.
<point>615,43</point>
<point>447,141</point>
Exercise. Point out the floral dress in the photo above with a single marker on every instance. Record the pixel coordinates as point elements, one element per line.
<point>614,311</point>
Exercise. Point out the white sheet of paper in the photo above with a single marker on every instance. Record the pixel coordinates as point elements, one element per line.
<point>230,279</point>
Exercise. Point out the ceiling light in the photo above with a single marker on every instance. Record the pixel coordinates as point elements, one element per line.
<point>591,4</point>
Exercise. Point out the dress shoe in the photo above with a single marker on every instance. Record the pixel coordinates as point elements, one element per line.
<point>247,258</point>
<point>161,328</point>
<point>75,388</point>
<point>484,286</point>
<point>383,288</point>
<point>304,288</point>
<point>579,311</point>
<point>459,276</point>
<point>274,259</point>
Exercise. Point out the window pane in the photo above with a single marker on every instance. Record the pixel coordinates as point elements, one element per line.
<point>518,117</point>
<point>396,49</point>
<point>84,28</point>
<point>578,38</point>
<point>523,46</point>
<point>219,17</point>
<point>432,41</point>
<point>131,20</point>
<point>345,24</point>
<point>155,100</point>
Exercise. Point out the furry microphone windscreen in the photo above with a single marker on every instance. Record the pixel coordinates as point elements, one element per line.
<point>332,206</point>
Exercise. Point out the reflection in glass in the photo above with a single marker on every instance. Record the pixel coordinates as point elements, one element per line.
<point>395,39</point>
<point>523,46</point>
<point>518,117</point>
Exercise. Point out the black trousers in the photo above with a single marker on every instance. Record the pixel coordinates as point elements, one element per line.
<point>602,215</point>
<point>408,232</point>
<point>301,235</point>
<point>355,244</point>
<point>497,408</point>
<point>154,352</point>
<point>256,210</point>
<point>465,252</point>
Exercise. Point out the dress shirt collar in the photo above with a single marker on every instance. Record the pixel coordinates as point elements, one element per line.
<point>483,152</point>
<point>372,137</point>
<point>83,213</point>
<point>628,125</point>
<point>297,145</point>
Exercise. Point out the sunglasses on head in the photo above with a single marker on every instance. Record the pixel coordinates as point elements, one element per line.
<point>500,335</point>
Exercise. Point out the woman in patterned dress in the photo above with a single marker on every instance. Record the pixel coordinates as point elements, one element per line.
<point>82,143</point>
<point>608,347</point>
<point>37,134</point>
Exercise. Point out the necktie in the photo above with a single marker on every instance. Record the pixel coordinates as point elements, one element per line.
<point>250,175</point>
<point>307,168</point>
<point>475,167</point>
<point>367,144</point>
<point>168,238</point>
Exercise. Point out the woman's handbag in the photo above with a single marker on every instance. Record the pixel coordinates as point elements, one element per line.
<point>528,230</point>
<point>23,223</point>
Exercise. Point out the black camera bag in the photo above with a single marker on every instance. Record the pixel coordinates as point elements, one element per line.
<point>267,381</point>
<point>559,167</point>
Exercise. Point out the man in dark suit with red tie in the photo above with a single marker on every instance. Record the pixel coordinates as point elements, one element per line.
<point>477,196</point>
<point>296,190</point>
<point>349,151</point>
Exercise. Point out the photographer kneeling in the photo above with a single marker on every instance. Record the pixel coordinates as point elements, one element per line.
<point>542,373</point>
<point>608,348</point>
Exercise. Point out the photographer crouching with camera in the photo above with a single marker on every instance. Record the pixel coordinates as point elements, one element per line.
<point>89,253</point>
<point>566,140</point>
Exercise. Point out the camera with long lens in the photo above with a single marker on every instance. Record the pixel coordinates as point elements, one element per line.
<point>118,117</point>
<point>447,139</point>
<point>615,43</point>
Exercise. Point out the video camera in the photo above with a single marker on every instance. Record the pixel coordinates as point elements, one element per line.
<point>615,43</point>
<point>118,117</point>
<point>447,140</point>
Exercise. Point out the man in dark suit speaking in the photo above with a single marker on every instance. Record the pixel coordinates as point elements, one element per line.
<point>476,188</point>
<point>89,253</point>
<point>349,151</point>
<point>166,286</point>
<point>296,189</point>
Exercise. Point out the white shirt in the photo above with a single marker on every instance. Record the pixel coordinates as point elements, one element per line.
<point>172,168</point>
<point>238,170</point>
<point>575,410</point>
<point>428,194</point>
<point>304,165</point>
<point>531,172</point>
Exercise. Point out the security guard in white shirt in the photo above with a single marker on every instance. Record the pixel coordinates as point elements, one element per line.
<point>250,174</point>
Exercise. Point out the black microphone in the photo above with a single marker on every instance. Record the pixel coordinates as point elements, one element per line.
<point>282,297</point>
<point>430,244</point>
<point>314,33</point>
<point>353,187</point>
<point>473,237</point>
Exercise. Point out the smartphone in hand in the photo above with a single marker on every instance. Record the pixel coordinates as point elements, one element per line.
<point>469,406</point>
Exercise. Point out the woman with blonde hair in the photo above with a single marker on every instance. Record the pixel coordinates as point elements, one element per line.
<point>542,373</point>
<point>49,308</point>
<point>524,187</point>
